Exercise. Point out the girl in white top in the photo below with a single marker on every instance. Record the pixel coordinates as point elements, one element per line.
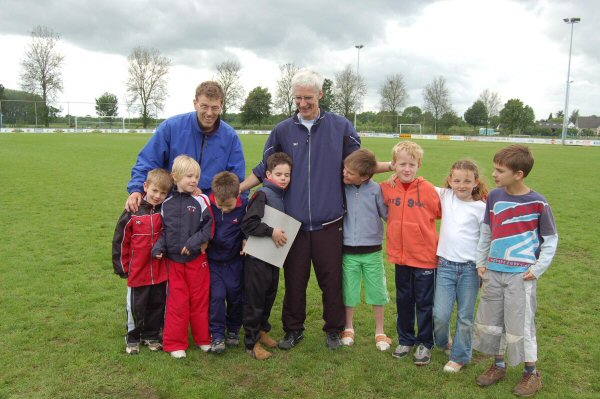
<point>463,208</point>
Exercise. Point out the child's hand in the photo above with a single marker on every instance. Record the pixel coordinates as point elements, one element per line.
<point>279,237</point>
<point>243,246</point>
<point>528,276</point>
<point>159,256</point>
<point>481,271</point>
<point>203,247</point>
<point>185,251</point>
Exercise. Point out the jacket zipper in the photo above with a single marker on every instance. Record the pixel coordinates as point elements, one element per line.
<point>310,227</point>
<point>152,240</point>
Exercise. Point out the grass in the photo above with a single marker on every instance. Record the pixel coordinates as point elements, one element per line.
<point>63,317</point>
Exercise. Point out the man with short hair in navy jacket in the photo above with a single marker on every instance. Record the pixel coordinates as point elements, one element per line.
<point>201,134</point>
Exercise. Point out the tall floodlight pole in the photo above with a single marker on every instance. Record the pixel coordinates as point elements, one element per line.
<point>571,21</point>
<point>358,47</point>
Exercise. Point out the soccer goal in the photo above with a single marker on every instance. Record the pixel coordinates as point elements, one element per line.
<point>409,127</point>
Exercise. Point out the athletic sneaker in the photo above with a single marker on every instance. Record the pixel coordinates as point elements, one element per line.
<point>204,348</point>
<point>180,354</point>
<point>153,345</point>
<point>333,340</point>
<point>402,351</point>
<point>422,356</point>
<point>217,346</point>
<point>291,339</point>
<point>133,348</point>
<point>232,339</point>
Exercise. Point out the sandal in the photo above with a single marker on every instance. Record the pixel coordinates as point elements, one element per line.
<point>383,342</point>
<point>348,337</point>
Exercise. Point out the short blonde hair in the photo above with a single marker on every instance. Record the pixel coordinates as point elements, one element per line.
<point>410,147</point>
<point>161,178</point>
<point>183,164</point>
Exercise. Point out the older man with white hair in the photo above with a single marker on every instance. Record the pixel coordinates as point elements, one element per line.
<point>318,142</point>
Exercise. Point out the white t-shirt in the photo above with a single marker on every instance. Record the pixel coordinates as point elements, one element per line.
<point>461,222</point>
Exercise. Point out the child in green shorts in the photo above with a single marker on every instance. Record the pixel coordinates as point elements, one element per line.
<point>363,237</point>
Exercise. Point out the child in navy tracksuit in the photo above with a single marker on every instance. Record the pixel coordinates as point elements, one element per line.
<point>226,262</point>
<point>261,279</point>
<point>188,226</point>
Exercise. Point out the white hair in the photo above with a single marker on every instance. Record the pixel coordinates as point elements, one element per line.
<point>308,78</point>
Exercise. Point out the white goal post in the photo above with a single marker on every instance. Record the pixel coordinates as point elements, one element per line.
<point>408,124</point>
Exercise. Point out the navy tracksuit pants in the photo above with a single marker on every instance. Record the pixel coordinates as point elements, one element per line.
<point>415,289</point>
<point>226,296</point>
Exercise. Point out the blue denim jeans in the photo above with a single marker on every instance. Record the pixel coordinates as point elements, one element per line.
<point>456,282</point>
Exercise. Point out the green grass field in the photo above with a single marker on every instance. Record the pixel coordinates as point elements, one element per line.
<point>63,309</point>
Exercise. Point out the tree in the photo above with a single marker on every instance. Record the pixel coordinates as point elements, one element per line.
<point>257,107</point>
<point>228,76</point>
<point>284,97</point>
<point>477,115</point>
<point>147,81</point>
<point>328,99</point>
<point>574,116</point>
<point>448,120</point>
<point>41,68</point>
<point>436,99</point>
<point>393,93</point>
<point>347,97</point>
<point>107,105</point>
<point>515,116</point>
<point>492,102</point>
<point>412,114</point>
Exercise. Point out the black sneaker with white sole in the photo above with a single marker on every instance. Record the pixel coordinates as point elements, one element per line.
<point>291,339</point>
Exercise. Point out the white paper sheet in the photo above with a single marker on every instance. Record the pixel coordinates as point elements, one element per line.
<point>264,248</point>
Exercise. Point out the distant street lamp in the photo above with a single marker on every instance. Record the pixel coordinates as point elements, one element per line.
<point>358,47</point>
<point>571,21</point>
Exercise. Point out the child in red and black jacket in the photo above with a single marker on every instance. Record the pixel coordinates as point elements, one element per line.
<point>188,226</point>
<point>135,234</point>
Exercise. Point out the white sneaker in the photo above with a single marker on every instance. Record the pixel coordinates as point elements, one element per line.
<point>178,354</point>
<point>204,348</point>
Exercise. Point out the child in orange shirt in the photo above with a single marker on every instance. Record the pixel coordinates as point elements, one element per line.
<point>413,207</point>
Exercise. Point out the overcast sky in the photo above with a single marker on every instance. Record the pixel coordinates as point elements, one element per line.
<point>519,49</point>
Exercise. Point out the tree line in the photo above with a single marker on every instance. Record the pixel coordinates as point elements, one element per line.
<point>146,89</point>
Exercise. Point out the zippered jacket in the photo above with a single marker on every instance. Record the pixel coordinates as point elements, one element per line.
<point>135,234</point>
<point>216,152</point>
<point>315,196</point>
<point>362,224</point>
<point>412,236</point>
<point>188,222</point>
<point>227,241</point>
<point>270,194</point>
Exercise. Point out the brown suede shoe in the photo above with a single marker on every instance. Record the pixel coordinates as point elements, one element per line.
<point>259,353</point>
<point>266,340</point>
<point>491,376</point>
<point>529,385</point>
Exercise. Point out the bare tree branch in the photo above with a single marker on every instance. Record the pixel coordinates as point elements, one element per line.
<point>41,68</point>
<point>147,81</point>
<point>436,99</point>
<point>228,76</point>
<point>393,93</point>
<point>284,97</point>
<point>347,98</point>
<point>492,102</point>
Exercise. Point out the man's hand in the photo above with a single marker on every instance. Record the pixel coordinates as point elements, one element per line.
<point>243,246</point>
<point>203,247</point>
<point>481,271</point>
<point>133,202</point>
<point>279,237</point>
<point>185,251</point>
<point>159,256</point>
